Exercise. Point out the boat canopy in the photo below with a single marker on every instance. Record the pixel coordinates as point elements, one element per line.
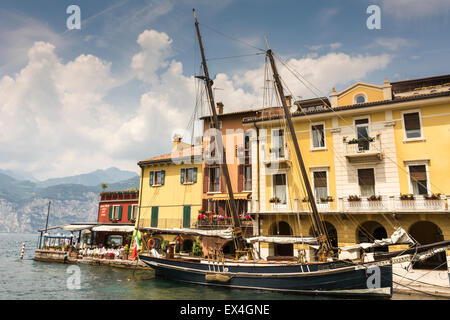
<point>400,236</point>
<point>113,228</point>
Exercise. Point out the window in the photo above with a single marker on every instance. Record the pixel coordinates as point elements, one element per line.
<point>318,136</point>
<point>277,148</point>
<point>279,188</point>
<point>132,212</point>
<point>362,133</point>
<point>211,124</point>
<point>114,241</point>
<point>115,213</point>
<point>247,146</point>
<point>188,175</point>
<point>248,178</point>
<point>320,185</point>
<point>412,125</point>
<point>214,179</point>
<point>418,176</point>
<point>360,98</point>
<point>366,180</point>
<point>157,178</point>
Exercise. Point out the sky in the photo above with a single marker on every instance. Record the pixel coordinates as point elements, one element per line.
<point>116,91</point>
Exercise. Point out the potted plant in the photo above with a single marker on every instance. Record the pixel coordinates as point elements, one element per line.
<point>327,199</point>
<point>353,141</point>
<point>197,249</point>
<point>353,198</point>
<point>405,196</point>
<point>374,198</point>
<point>274,200</point>
<point>433,196</point>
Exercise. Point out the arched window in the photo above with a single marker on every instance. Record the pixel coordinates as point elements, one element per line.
<point>360,98</point>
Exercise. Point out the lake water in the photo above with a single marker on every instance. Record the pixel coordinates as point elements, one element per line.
<point>29,280</point>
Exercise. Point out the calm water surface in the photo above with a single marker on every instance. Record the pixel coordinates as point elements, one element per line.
<point>28,279</point>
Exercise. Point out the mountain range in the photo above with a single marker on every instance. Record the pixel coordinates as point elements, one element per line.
<point>24,203</point>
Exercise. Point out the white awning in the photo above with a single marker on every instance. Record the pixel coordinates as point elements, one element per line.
<point>77,227</point>
<point>281,240</point>
<point>114,228</point>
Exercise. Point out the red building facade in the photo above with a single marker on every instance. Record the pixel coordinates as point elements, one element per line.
<point>118,207</point>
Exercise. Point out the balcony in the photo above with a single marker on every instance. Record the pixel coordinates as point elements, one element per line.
<point>394,204</point>
<point>277,156</point>
<point>363,151</point>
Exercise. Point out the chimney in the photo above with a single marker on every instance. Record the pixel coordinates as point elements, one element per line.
<point>334,98</point>
<point>288,100</point>
<point>219,108</point>
<point>387,90</point>
<point>176,141</point>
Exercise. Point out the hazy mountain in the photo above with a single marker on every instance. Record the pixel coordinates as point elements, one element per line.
<point>19,175</point>
<point>24,204</point>
<point>94,178</point>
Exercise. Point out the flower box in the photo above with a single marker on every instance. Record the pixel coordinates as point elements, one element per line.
<point>374,198</point>
<point>327,199</point>
<point>407,197</point>
<point>353,198</point>
<point>433,196</point>
<point>275,200</point>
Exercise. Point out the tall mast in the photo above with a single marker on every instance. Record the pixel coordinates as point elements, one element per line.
<point>237,232</point>
<point>324,244</point>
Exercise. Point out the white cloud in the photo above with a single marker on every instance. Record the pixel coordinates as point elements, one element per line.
<point>56,121</point>
<point>155,50</point>
<point>332,46</point>
<point>415,8</point>
<point>393,44</point>
<point>324,72</point>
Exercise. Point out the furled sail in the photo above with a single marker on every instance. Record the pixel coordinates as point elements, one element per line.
<point>400,236</point>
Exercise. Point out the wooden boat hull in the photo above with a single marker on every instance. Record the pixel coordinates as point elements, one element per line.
<point>327,279</point>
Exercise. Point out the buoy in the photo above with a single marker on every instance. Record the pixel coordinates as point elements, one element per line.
<point>23,250</point>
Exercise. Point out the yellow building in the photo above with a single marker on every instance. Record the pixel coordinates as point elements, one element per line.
<point>364,149</point>
<point>170,190</point>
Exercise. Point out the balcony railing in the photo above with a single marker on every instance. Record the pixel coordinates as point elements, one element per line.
<point>394,204</point>
<point>364,151</point>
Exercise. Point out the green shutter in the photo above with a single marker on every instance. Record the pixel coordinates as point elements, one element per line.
<point>120,213</point>
<point>129,212</point>
<point>163,173</point>
<point>154,222</point>
<point>151,178</point>
<point>186,217</point>
<point>182,175</point>
<point>194,176</point>
<point>110,212</point>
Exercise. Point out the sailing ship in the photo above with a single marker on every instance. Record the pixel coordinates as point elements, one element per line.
<point>328,276</point>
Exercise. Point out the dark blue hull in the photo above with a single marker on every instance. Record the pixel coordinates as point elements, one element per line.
<point>333,278</point>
